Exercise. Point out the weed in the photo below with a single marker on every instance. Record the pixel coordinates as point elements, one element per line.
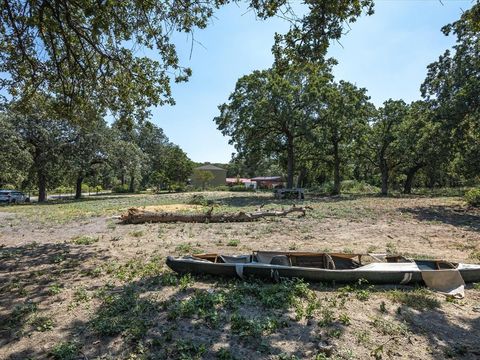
<point>455,351</point>
<point>233,242</point>
<point>224,354</point>
<point>327,317</point>
<point>419,299</point>
<point>203,304</point>
<point>391,248</point>
<point>65,351</point>
<point>42,323</point>
<point>184,248</point>
<point>383,307</point>
<point>55,289</point>
<point>476,286</point>
<point>360,289</point>
<point>387,327</point>
<point>186,349</point>
<point>84,240</point>
<point>185,281</point>
<point>80,295</point>
<point>345,319</point>
<point>124,313</point>
<point>135,268</point>
<point>475,255</point>
<point>21,313</point>
<point>137,233</point>
<point>245,327</point>
<point>363,337</point>
<point>335,333</point>
<point>293,247</point>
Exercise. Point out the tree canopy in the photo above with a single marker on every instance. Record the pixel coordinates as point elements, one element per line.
<point>96,49</point>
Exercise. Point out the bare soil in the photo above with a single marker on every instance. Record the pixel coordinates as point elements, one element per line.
<point>66,269</point>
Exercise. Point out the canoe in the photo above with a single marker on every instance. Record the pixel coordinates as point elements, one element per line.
<point>327,267</point>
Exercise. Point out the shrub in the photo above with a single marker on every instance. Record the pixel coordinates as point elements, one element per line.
<point>221,188</point>
<point>353,186</point>
<point>120,189</point>
<point>177,187</point>
<point>8,187</point>
<point>472,197</point>
<point>240,188</point>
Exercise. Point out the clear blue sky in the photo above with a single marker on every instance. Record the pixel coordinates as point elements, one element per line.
<point>387,53</point>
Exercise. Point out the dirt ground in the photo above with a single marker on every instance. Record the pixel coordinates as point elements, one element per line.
<point>76,284</point>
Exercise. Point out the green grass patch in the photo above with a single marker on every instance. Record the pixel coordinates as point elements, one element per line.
<point>134,268</point>
<point>124,313</point>
<point>65,351</point>
<point>84,240</point>
<point>419,299</point>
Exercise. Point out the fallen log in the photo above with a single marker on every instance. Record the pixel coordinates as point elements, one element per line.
<point>139,216</point>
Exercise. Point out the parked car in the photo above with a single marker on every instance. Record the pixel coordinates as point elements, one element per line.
<point>13,197</point>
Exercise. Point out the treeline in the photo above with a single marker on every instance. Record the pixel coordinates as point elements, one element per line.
<point>297,118</point>
<point>41,150</point>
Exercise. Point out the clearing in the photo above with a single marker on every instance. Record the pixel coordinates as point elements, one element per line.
<point>76,284</point>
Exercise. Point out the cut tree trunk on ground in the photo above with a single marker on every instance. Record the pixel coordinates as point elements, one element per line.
<point>139,216</point>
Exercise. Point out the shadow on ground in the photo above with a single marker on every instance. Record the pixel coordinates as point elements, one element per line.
<point>452,215</point>
<point>233,319</point>
<point>28,275</point>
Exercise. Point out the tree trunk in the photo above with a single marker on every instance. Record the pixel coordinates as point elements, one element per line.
<point>384,173</point>
<point>290,163</point>
<point>301,177</point>
<point>407,187</point>
<point>42,187</point>
<point>78,187</point>
<point>131,188</point>
<point>139,216</point>
<point>336,169</point>
<point>123,179</point>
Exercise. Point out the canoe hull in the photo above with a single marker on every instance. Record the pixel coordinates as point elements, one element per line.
<point>267,271</point>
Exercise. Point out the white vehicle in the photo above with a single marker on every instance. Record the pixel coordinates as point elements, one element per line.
<point>13,197</point>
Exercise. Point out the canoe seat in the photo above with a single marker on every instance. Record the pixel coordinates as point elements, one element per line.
<point>280,260</point>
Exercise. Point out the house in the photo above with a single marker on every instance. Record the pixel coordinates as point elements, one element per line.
<point>219,176</point>
<point>248,183</point>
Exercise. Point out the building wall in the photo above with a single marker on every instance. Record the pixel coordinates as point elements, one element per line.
<point>219,179</point>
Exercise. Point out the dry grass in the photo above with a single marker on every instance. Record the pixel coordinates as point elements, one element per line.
<point>75,284</point>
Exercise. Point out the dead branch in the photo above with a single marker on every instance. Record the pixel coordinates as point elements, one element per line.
<point>139,216</point>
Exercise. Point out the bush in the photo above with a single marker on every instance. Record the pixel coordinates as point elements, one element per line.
<point>8,187</point>
<point>177,187</point>
<point>120,189</point>
<point>472,197</point>
<point>240,188</point>
<point>353,186</point>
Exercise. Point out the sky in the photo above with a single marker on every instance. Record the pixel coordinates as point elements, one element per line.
<point>387,53</point>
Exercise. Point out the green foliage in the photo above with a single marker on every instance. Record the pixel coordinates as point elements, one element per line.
<point>419,299</point>
<point>84,240</point>
<point>66,351</point>
<point>233,242</point>
<point>472,197</point>
<point>255,327</point>
<point>202,304</point>
<point>358,187</point>
<point>124,313</point>
<point>120,189</point>
<point>134,268</point>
